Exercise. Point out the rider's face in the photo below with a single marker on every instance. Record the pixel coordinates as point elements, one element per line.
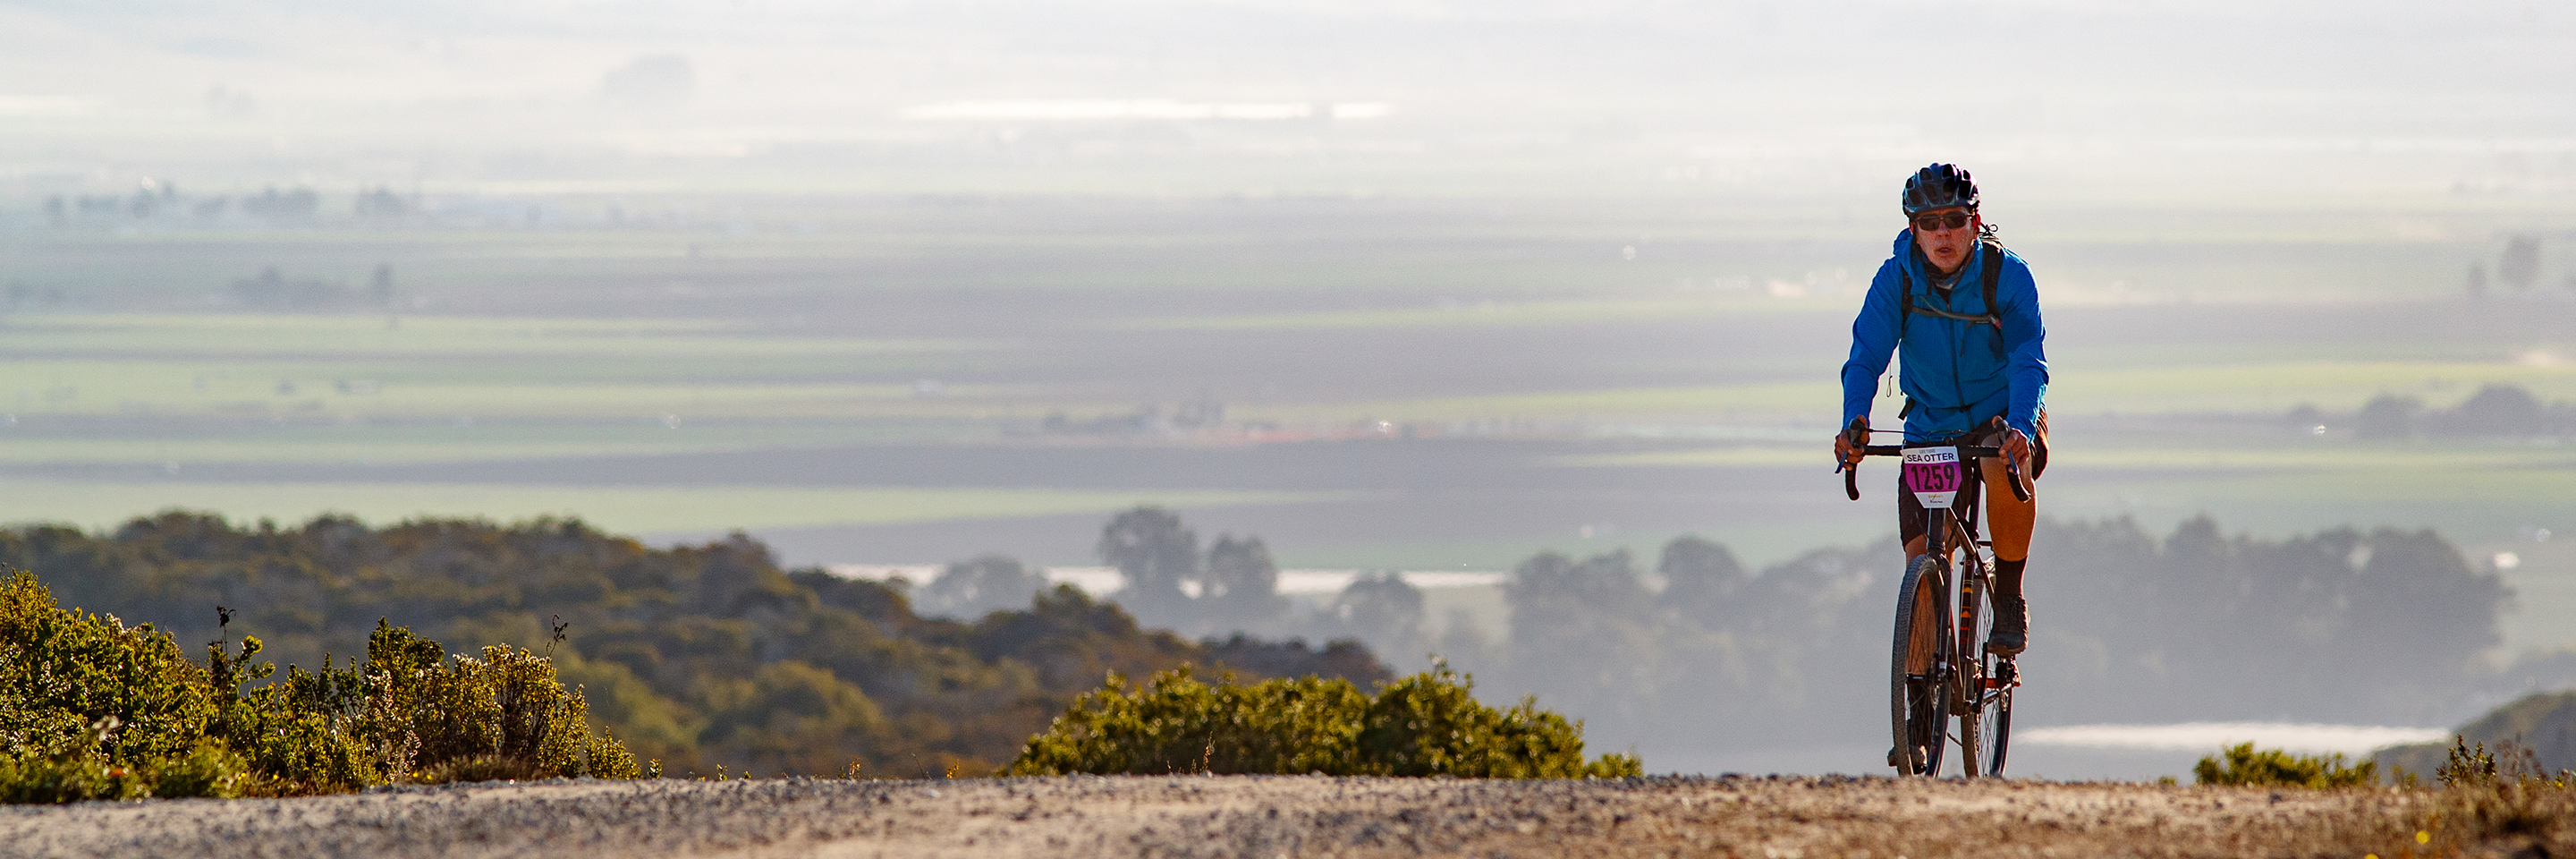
<point>1946,248</point>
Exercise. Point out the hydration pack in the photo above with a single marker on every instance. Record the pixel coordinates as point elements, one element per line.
<point>1993,318</point>
<point>1994,269</point>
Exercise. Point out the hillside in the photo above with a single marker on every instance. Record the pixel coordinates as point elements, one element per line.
<point>2542,723</point>
<point>700,656</point>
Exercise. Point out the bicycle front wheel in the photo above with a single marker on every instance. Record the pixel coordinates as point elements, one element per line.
<point>1918,694</point>
<point>1996,738</point>
<point>1985,700</point>
<point>1976,622</point>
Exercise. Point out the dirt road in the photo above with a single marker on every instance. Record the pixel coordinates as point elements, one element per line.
<point>1194,816</point>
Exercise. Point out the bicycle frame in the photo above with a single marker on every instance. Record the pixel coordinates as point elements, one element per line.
<point>1975,686</point>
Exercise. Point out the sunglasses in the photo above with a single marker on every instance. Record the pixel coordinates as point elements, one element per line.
<point>1937,223</point>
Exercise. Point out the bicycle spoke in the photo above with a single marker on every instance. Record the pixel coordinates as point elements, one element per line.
<point>1923,671</point>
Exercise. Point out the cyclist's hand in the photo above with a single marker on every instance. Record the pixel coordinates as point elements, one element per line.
<point>1844,450</point>
<point>2017,450</point>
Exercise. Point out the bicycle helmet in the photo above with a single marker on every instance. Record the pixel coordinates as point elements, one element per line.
<point>1939,186</point>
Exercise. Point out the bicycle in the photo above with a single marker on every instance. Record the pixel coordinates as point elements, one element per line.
<point>1927,681</point>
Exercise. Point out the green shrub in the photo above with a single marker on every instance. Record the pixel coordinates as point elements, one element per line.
<point>2241,764</point>
<point>93,709</point>
<point>71,770</point>
<point>75,770</point>
<point>1431,724</point>
<point>1425,725</point>
<point>61,671</point>
<point>502,716</point>
<point>2472,765</point>
<point>298,733</point>
<point>2468,766</point>
<point>604,757</point>
<point>1178,724</point>
<point>208,770</point>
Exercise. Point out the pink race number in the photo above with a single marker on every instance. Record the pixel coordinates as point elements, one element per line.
<point>1933,475</point>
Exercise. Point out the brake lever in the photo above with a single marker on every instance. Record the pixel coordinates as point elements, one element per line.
<point>1857,435</point>
<point>2012,468</point>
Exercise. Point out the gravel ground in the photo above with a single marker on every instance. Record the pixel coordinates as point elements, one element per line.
<point>1196,816</point>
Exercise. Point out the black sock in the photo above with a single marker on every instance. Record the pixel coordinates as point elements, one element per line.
<point>2008,577</point>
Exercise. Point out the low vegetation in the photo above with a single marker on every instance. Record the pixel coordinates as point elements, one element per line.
<point>2485,801</point>
<point>2243,765</point>
<point>2499,803</point>
<point>93,709</point>
<point>1429,724</point>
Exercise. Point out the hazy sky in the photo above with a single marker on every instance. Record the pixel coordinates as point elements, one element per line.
<point>2475,87</point>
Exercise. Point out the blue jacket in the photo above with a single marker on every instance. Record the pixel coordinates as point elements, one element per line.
<point>1960,374</point>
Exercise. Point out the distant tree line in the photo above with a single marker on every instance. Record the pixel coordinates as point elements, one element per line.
<point>1225,588</point>
<point>2495,411</point>
<point>1700,651</point>
<point>160,201</point>
<point>2343,625</point>
<point>2517,267</point>
<point>698,655</point>
<point>272,290</point>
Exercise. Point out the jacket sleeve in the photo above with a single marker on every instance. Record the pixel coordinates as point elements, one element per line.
<point>2026,355</point>
<point>1874,338</point>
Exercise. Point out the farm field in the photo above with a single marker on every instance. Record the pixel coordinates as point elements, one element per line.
<point>1416,384</point>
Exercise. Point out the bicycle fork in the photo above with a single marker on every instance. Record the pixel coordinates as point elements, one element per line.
<point>1971,689</point>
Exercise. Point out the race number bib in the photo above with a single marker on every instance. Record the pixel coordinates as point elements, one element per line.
<point>1933,475</point>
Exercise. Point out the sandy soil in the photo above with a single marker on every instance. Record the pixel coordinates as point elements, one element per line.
<point>1188,816</point>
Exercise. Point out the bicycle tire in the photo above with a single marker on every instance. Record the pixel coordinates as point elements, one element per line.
<point>1918,694</point>
<point>1977,617</point>
<point>1998,739</point>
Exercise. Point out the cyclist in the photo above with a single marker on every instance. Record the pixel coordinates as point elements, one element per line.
<point>1966,313</point>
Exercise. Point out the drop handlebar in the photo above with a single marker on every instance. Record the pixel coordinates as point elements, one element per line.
<point>1967,453</point>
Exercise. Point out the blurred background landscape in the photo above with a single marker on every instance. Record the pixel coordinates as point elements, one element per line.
<point>1417,287</point>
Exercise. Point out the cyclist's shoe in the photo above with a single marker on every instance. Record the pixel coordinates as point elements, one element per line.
<point>2012,627</point>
